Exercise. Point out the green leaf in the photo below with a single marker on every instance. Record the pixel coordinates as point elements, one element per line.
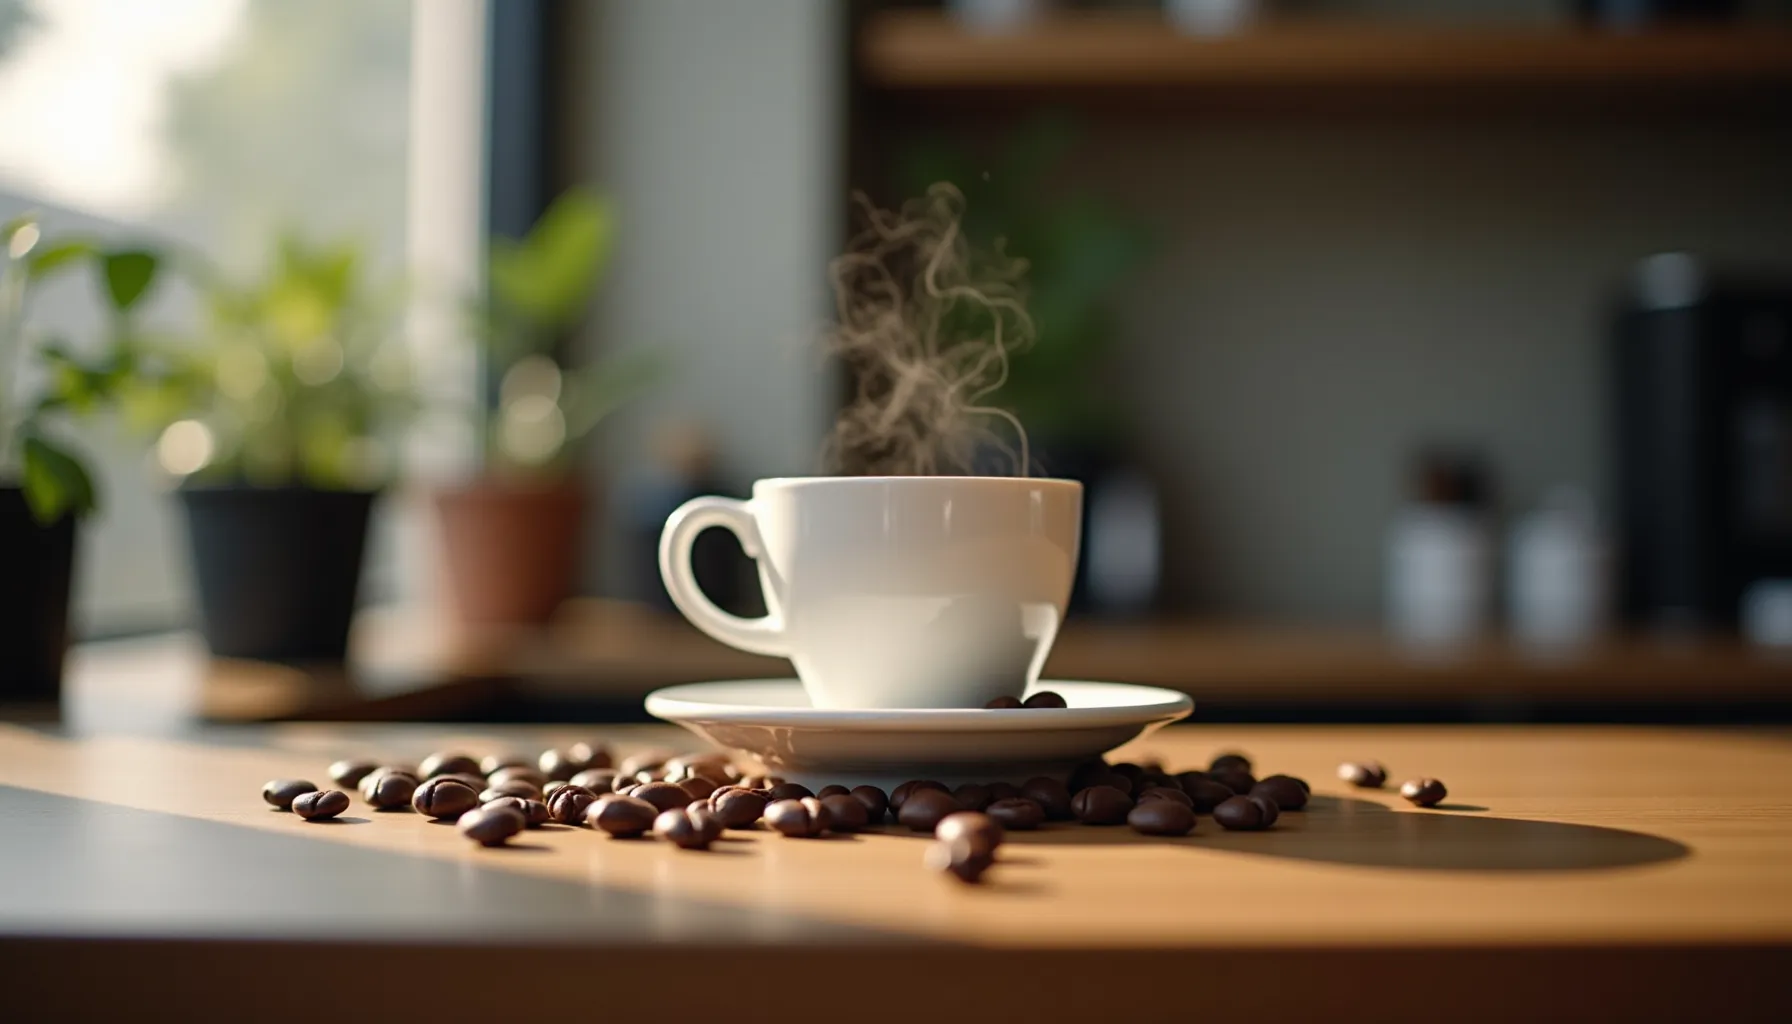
<point>46,261</point>
<point>549,275</point>
<point>55,483</point>
<point>129,274</point>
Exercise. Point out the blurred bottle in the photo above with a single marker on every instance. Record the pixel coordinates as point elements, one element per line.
<point>1440,555</point>
<point>1559,574</point>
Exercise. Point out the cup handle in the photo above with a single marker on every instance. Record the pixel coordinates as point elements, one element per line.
<point>764,635</point>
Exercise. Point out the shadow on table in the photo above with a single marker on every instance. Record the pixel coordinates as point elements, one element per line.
<point>1341,830</point>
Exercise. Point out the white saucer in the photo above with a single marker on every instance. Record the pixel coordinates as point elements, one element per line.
<point>771,720</point>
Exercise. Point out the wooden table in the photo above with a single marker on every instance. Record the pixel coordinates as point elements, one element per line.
<point>1578,873</point>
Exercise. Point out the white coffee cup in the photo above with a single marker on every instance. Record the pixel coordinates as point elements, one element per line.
<point>894,592</point>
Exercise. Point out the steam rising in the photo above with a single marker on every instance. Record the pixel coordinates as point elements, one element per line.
<point>925,327</point>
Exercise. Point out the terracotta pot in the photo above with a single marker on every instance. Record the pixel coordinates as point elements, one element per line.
<point>511,550</point>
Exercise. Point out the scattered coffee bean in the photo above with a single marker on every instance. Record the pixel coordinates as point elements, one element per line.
<point>558,764</point>
<point>1101,805</point>
<point>282,792</point>
<point>518,773</point>
<point>876,803</point>
<point>1017,814</point>
<point>1241,814</point>
<point>925,808</point>
<point>473,780</point>
<point>698,786</point>
<point>1044,699</point>
<point>1002,703</point>
<point>678,828</point>
<point>350,773</point>
<point>1172,793</point>
<point>1161,818</point>
<point>553,786</point>
<point>1424,792</point>
<point>1002,791</point>
<point>1364,774</point>
<point>597,780</point>
<point>568,804</point>
<point>444,799</point>
<point>1131,772</point>
<point>1204,794</point>
<point>318,805</point>
<point>981,830</point>
<point>798,819</point>
<point>625,787</point>
<point>788,791</point>
<point>646,760</point>
<point>900,794</point>
<point>713,767</point>
<point>388,790</point>
<point>738,808</point>
<point>1155,780</point>
<point>845,813</point>
<point>1052,796</point>
<point>535,813</point>
<point>708,823</point>
<point>1285,790</point>
<point>1239,782</point>
<point>623,817</point>
<point>663,795</point>
<point>827,791</point>
<point>1229,762</point>
<point>590,755</point>
<point>972,796</point>
<point>510,787</point>
<point>491,826</point>
<point>493,762</point>
<point>1270,811</point>
<point>1089,773</point>
<point>446,763</point>
<point>958,858</point>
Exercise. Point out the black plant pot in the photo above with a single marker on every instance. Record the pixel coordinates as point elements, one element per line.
<point>36,563</point>
<point>277,569</point>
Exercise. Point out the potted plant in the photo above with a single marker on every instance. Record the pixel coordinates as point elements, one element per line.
<point>281,417</point>
<point>512,536</point>
<point>44,486</point>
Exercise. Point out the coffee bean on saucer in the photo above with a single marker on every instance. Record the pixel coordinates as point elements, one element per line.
<point>446,763</point>
<point>788,791</point>
<point>282,792</point>
<point>444,799</point>
<point>959,858</point>
<point>1239,782</point>
<point>512,787</point>
<point>1241,814</point>
<point>900,794</point>
<point>388,790</point>
<point>1172,793</point>
<point>1002,703</point>
<point>699,787</point>
<point>535,813</point>
<point>1229,762</point>
<point>645,760</point>
<point>1002,791</point>
<point>318,805</point>
<point>738,808</point>
<point>798,819</point>
<point>493,762</point>
<point>925,808</point>
<point>567,805</point>
<point>597,780</point>
<point>983,832</point>
<point>1101,805</point>
<point>1287,791</point>
<point>1424,792</point>
<point>1016,814</point>
<point>677,827</point>
<point>1052,796</point>
<point>664,795</point>
<point>491,826</point>
<point>971,796</point>
<point>517,773</point>
<point>350,772</point>
<point>623,817</point>
<point>1044,699</point>
<point>845,813</point>
<point>1364,774</point>
<point>1161,818</point>
<point>876,803</point>
<point>1204,794</point>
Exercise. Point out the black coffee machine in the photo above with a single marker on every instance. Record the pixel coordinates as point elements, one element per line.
<point>1704,448</point>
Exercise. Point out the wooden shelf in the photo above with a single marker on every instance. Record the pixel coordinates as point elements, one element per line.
<point>923,51</point>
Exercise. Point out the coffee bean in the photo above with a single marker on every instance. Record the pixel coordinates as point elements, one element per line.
<point>738,808</point>
<point>623,817</point>
<point>1241,814</point>
<point>388,791</point>
<point>1002,791</point>
<point>799,819</point>
<point>472,780</point>
<point>1424,792</point>
<point>1161,818</point>
<point>491,826</point>
<point>568,804</point>
<point>1153,765</point>
<point>282,792</point>
<point>1155,780</point>
<point>713,766</point>
<point>1239,782</point>
<point>350,773</point>
<point>558,764</point>
<point>1131,772</point>
<point>1172,793</point>
<point>676,827</point>
<point>1204,794</point>
<point>493,762</point>
<point>983,832</point>
<point>834,790</point>
<point>1044,699</point>
<point>1229,762</point>
<point>876,803</point>
<point>1017,814</point>
<point>1052,796</point>
<point>444,799</point>
<point>446,763</point>
<point>698,787</point>
<point>663,795</point>
<point>1269,809</point>
<point>1113,780</point>
<point>518,773</point>
<point>1089,773</point>
<point>1285,790</point>
<point>924,809</point>
<point>1364,774</point>
<point>971,796</point>
<point>900,794</point>
<point>959,858</point>
<point>535,813</point>
<point>1101,805</point>
<point>512,787</point>
<point>646,760</point>
<point>845,813</point>
<point>760,783</point>
<point>553,786</point>
<point>708,823</point>
<point>320,804</point>
<point>1003,703</point>
<point>589,755</point>
<point>623,783</point>
<point>597,780</point>
<point>788,791</point>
